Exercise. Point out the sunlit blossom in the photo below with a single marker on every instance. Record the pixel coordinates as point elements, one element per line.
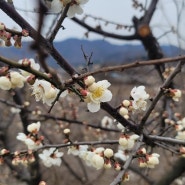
<point>77,150</point>
<point>121,155</point>
<point>17,80</point>
<point>29,141</point>
<point>180,135</point>
<point>139,96</point>
<point>152,160</point>
<point>5,83</point>
<point>98,93</point>
<point>75,6</point>
<point>34,127</point>
<point>97,161</point>
<point>51,157</point>
<point>108,152</point>
<point>175,94</point>
<point>127,142</point>
<point>44,91</point>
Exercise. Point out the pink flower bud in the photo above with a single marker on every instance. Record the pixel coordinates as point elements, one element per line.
<point>83,92</point>
<point>31,79</point>
<point>25,33</point>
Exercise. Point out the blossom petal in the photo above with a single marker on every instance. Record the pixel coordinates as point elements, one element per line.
<point>107,96</point>
<point>93,107</point>
<point>104,83</point>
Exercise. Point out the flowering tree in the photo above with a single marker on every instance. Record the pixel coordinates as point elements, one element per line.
<point>136,132</point>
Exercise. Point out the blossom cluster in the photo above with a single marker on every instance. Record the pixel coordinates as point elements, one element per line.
<point>147,160</point>
<point>175,94</point>
<point>23,158</point>
<point>42,90</point>
<point>178,124</point>
<point>49,157</point>
<point>180,128</point>
<point>6,36</point>
<point>96,157</point>
<point>12,80</point>
<point>32,140</point>
<point>127,141</point>
<point>75,6</point>
<point>95,93</point>
<point>138,101</point>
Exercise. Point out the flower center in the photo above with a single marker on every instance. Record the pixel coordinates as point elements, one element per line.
<point>98,92</point>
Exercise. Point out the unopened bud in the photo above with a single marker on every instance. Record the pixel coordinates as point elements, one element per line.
<point>126,103</point>
<point>67,131</point>
<point>25,33</point>
<point>89,80</point>
<point>31,79</point>
<point>108,153</point>
<point>123,111</point>
<point>83,92</point>
<point>2,26</point>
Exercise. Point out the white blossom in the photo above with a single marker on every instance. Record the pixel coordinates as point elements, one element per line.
<point>21,136</point>
<point>16,79</point>
<point>31,63</point>
<point>97,161</point>
<point>44,91</point>
<point>152,160</point>
<point>98,93</point>
<point>175,94</point>
<point>5,83</point>
<point>89,80</point>
<point>122,155</point>
<point>108,152</point>
<point>107,122</point>
<point>139,96</point>
<point>180,135</point>
<point>121,127</point>
<point>29,141</point>
<point>77,150</point>
<point>15,110</point>
<point>75,6</point>
<point>123,111</point>
<point>87,157</point>
<point>51,157</point>
<point>34,127</point>
<point>127,142</point>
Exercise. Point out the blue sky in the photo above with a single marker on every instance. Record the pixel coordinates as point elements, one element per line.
<point>119,11</point>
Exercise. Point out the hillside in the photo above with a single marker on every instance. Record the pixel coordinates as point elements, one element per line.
<point>103,51</point>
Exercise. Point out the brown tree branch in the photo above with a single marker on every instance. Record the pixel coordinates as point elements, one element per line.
<point>160,93</point>
<point>59,24</point>
<point>103,33</point>
<point>11,12</point>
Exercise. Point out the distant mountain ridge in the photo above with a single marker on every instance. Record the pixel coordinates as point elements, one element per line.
<point>103,51</point>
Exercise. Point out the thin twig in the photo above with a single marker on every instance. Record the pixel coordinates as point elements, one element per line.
<point>59,23</point>
<point>160,93</point>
